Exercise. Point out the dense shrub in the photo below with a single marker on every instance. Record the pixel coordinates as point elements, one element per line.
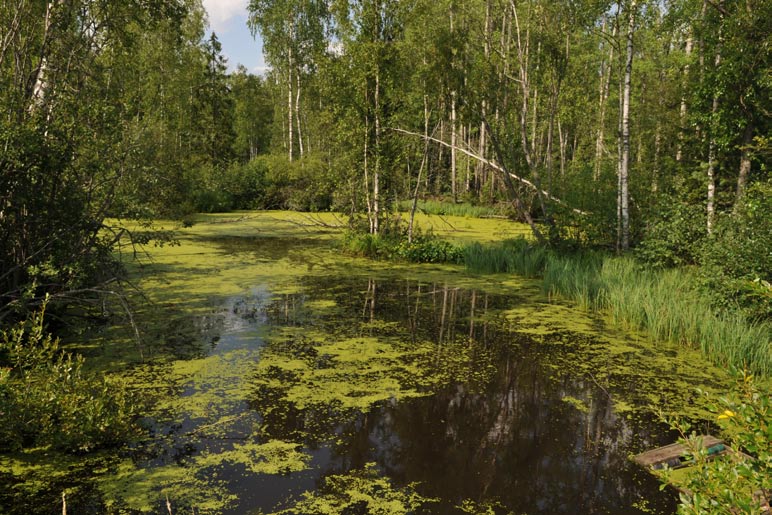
<point>392,243</point>
<point>736,260</point>
<point>266,182</point>
<point>47,399</point>
<point>731,485</point>
<point>674,235</point>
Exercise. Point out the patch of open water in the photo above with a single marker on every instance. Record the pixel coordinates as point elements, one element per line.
<point>472,401</point>
<point>433,384</point>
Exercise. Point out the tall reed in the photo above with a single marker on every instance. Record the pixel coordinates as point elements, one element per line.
<point>667,304</point>
<point>516,256</point>
<point>437,207</point>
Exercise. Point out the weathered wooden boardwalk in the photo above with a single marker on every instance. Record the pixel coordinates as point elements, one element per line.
<point>674,455</point>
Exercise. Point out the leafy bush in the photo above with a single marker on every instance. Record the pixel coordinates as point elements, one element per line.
<point>392,243</point>
<point>429,250</point>
<point>732,484</point>
<point>737,258</point>
<point>673,238</point>
<point>47,399</point>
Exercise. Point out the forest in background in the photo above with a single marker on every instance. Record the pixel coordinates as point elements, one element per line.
<point>639,128</point>
<point>636,124</point>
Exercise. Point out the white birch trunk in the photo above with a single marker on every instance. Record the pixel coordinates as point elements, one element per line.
<point>290,112</point>
<point>604,86</point>
<point>297,117</point>
<point>624,163</point>
<point>684,108</point>
<point>377,170</point>
<point>711,200</point>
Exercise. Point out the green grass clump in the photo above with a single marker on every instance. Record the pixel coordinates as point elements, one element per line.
<point>438,207</point>
<point>668,304</point>
<point>424,248</point>
<point>510,256</point>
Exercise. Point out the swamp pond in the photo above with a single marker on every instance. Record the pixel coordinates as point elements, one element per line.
<point>280,376</point>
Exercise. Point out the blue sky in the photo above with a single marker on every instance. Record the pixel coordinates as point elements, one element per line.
<point>228,18</point>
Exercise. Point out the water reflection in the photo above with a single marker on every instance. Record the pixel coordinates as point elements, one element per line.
<point>508,431</point>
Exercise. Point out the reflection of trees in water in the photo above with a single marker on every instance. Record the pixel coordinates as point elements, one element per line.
<point>514,438</point>
<point>517,442</point>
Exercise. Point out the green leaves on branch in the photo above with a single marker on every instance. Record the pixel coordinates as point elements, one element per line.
<point>738,482</point>
<point>46,399</point>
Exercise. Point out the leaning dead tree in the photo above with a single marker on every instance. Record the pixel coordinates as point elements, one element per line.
<point>508,177</point>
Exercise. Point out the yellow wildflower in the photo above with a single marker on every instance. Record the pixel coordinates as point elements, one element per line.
<point>726,414</point>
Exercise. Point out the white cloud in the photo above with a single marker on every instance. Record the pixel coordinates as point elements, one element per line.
<point>221,12</point>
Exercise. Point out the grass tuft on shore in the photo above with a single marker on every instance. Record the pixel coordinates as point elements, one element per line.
<point>666,303</point>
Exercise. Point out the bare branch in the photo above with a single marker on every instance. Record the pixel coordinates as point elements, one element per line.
<point>495,166</point>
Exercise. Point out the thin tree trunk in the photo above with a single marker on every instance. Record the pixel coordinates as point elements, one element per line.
<point>420,169</point>
<point>297,117</point>
<point>604,85</point>
<point>657,151</point>
<point>12,31</point>
<point>377,170</point>
<point>711,207</point>
<point>290,112</point>
<point>745,166</point>
<point>624,164</point>
<point>480,170</point>
<point>466,138</point>
<point>41,84</point>
<point>563,142</point>
<point>513,191</point>
<point>367,175</point>
<point>684,107</point>
<point>453,141</point>
<point>453,121</point>
<point>440,153</point>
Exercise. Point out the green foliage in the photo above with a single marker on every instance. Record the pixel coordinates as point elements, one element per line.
<point>47,400</point>
<point>428,249</point>
<point>737,258</point>
<point>510,256</point>
<point>732,484</point>
<point>674,234</point>
<point>393,243</point>
<point>253,115</point>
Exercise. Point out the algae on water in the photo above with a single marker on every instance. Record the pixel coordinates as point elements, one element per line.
<point>272,356</point>
<point>359,491</point>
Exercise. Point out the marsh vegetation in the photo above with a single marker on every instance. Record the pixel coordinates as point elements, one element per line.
<point>279,366</point>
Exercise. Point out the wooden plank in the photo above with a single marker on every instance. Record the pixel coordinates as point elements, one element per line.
<point>672,455</point>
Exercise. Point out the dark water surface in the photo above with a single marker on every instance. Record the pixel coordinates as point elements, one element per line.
<point>440,386</point>
<point>509,437</point>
